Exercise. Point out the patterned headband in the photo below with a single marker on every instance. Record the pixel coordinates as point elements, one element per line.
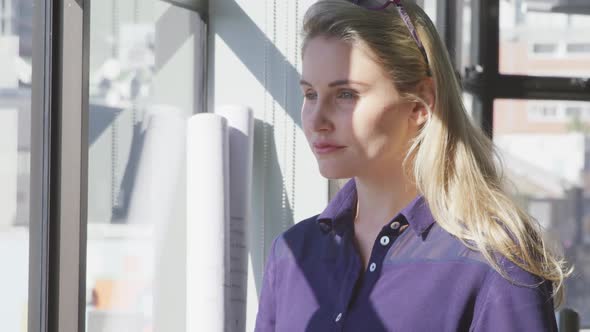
<point>404,15</point>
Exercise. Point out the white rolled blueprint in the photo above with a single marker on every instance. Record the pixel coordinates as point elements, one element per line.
<point>241,138</point>
<point>207,213</point>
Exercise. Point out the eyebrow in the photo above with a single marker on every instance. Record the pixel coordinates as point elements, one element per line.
<point>336,83</point>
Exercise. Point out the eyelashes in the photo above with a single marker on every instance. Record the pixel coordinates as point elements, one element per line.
<point>309,96</point>
<point>351,95</point>
<point>343,94</point>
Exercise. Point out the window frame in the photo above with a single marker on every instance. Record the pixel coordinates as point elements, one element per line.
<point>57,245</point>
<point>485,82</point>
<point>59,163</point>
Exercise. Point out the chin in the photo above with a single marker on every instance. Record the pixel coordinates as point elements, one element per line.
<point>334,172</point>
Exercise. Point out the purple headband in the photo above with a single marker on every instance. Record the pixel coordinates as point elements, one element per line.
<point>404,15</point>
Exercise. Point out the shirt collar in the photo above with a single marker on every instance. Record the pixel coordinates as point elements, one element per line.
<point>342,206</point>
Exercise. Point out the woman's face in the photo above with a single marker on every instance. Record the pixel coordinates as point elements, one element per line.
<point>353,117</point>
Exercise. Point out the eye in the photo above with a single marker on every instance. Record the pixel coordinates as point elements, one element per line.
<point>311,95</point>
<point>347,95</point>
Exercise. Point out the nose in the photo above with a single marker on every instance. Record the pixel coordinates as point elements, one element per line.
<point>320,118</point>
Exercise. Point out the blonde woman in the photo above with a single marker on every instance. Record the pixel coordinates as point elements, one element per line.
<point>423,237</point>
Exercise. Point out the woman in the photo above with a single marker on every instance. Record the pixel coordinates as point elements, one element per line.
<point>423,237</point>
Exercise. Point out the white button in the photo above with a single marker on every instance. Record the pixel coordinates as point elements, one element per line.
<point>339,316</point>
<point>372,267</point>
<point>395,225</point>
<point>384,240</point>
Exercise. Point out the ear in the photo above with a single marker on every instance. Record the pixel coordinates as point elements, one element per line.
<point>426,91</point>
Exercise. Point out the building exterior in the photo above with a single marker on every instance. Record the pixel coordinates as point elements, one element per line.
<point>545,144</point>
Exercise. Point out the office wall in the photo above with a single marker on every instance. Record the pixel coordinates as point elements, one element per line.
<point>254,61</point>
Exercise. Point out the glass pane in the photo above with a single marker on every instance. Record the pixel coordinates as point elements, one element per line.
<point>429,7</point>
<point>468,102</point>
<point>144,68</point>
<point>466,60</point>
<point>545,146</point>
<point>16,19</point>
<point>15,129</point>
<point>544,38</point>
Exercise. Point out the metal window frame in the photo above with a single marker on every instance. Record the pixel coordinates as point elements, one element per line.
<point>449,15</point>
<point>59,157</point>
<point>199,6</point>
<point>39,166</point>
<point>486,82</point>
<point>59,163</point>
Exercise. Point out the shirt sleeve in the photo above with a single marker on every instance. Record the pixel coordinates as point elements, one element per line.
<point>266,316</point>
<point>514,306</point>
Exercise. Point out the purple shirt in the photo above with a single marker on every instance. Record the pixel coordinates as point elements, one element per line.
<point>419,278</point>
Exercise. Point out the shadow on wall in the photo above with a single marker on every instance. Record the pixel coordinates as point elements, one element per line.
<point>277,68</point>
<point>271,212</point>
<point>269,215</point>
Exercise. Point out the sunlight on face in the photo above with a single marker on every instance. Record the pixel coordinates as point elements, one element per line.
<point>353,117</point>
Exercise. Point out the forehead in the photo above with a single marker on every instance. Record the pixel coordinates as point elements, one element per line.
<point>326,59</point>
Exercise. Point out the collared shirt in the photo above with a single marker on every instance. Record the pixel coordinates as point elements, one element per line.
<point>419,278</point>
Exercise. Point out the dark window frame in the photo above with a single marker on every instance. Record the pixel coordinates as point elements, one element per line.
<point>59,163</point>
<point>485,81</point>
<point>59,113</point>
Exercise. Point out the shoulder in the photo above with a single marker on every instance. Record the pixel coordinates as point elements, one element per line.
<point>509,294</point>
<point>452,247</point>
<point>513,282</point>
<point>301,235</point>
<point>515,300</point>
<point>508,299</point>
<point>440,246</point>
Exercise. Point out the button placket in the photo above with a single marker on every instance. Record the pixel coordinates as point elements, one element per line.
<point>386,239</point>
<point>352,273</point>
<point>373,267</point>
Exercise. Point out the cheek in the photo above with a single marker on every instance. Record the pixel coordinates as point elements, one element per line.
<point>305,122</point>
<point>390,123</point>
<point>379,130</point>
<point>368,124</point>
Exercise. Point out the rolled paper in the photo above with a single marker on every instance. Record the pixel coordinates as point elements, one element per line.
<point>207,213</point>
<point>241,139</point>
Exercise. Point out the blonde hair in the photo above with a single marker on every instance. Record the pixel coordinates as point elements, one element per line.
<point>453,163</point>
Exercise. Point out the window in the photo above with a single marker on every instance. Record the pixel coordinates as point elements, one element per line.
<point>541,112</point>
<point>147,56</point>
<point>544,48</point>
<point>16,52</point>
<point>578,48</point>
<point>534,104</point>
<point>550,36</point>
<point>146,73</point>
<point>546,158</point>
<point>573,111</point>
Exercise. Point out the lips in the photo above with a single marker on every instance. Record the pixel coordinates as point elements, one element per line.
<point>325,147</point>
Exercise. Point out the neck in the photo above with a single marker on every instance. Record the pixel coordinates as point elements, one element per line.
<point>381,198</point>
